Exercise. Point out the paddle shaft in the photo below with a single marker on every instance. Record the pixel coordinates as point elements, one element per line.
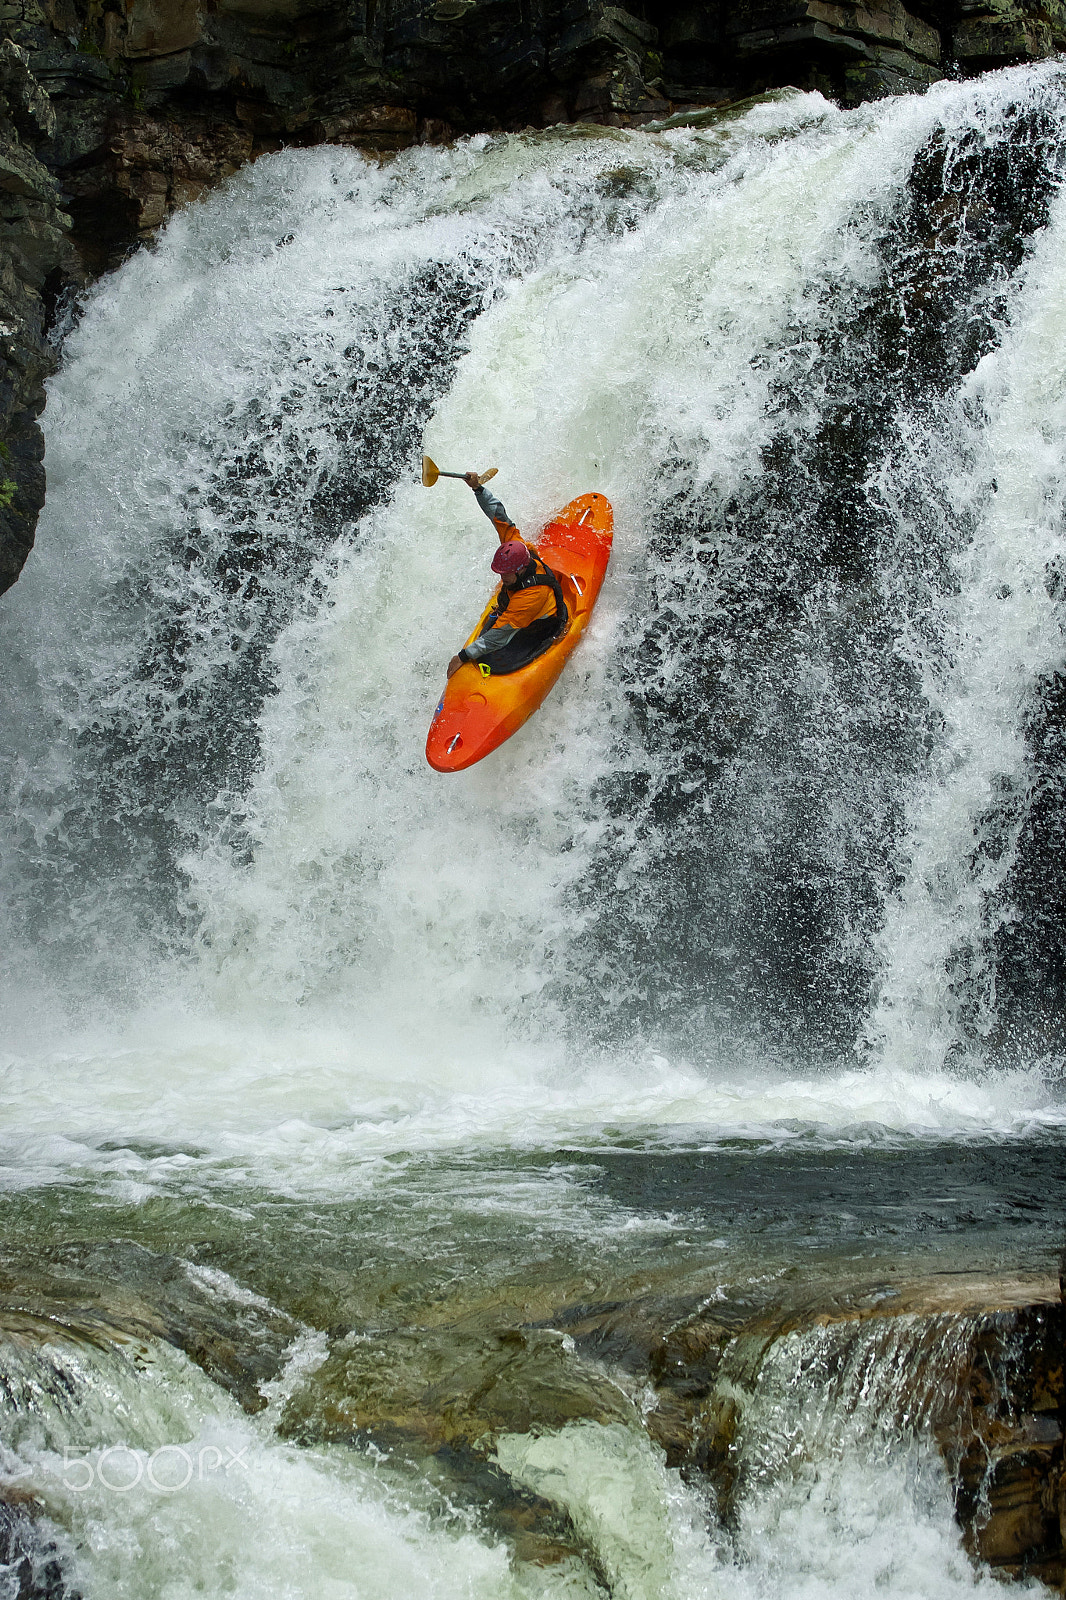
<point>431,472</point>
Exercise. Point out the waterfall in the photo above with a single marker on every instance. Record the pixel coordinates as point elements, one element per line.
<point>1000,645</point>
<point>741,962</point>
<point>794,710</point>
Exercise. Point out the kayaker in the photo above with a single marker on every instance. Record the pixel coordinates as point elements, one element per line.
<point>529,610</point>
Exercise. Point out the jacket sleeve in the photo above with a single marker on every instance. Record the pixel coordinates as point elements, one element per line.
<point>504,629</point>
<point>489,642</point>
<point>497,515</point>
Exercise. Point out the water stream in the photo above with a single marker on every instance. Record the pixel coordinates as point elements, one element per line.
<point>336,1092</point>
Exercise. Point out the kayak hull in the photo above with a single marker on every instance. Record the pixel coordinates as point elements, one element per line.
<point>477,713</point>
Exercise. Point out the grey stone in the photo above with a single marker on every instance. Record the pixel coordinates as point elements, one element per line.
<point>21,173</point>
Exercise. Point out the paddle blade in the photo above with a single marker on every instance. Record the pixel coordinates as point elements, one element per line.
<point>483,477</point>
<point>430,472</point>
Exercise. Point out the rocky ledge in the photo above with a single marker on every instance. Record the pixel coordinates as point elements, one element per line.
<point>33,231</point>
<point>114,112</point>
<point>731,1392</point>
<point>972,1365</point>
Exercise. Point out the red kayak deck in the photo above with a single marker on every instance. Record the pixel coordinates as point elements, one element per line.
<point>478,712</point>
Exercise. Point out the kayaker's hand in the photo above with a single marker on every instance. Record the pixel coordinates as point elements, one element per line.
<point>472,479</point>
<point>453,665</point>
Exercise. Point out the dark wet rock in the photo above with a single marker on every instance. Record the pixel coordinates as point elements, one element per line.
<point>536,1530</point>
<point>33,230</point>
<point>102,1291</point>
<point>443,1396</point>
<point>31,1566</point>
<point>1006,1450</point>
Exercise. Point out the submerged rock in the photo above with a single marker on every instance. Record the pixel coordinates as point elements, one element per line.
<point>453,1388</point>
<point>118,1289</point>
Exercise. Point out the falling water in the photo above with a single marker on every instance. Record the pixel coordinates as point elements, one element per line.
<point>377,1053</point>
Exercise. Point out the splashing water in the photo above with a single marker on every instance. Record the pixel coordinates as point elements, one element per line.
<point>774,866</point>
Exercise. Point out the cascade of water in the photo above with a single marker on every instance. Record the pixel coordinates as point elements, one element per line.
<point>165,1487</point>
<point>229,642</point>
<point>831,1451</point>
<point>835,1436</point>
<point>1002,638</point>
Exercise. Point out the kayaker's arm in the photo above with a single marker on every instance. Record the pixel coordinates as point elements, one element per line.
<point>500,633</point>
<point>488,643</point>
<point>493,509</point>
<point>523,608</point>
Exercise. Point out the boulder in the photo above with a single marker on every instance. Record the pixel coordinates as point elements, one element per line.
<point>120,1290</point>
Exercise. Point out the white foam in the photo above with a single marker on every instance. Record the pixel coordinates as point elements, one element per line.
<point>317,1111</point>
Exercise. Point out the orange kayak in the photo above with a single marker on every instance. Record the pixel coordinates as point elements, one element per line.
<point>478,712</point>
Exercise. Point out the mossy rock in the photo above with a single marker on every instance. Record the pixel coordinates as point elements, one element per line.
<point>451,1388</point>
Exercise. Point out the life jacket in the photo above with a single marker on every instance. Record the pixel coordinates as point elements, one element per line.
<point>533,575</point>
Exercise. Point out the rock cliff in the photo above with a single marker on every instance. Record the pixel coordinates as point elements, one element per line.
<point>114,112</point>
<point>33,228</point>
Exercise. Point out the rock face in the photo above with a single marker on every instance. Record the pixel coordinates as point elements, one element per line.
<point>33,231</point>
<point>114,112</point>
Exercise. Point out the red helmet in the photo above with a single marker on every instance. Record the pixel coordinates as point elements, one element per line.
<point>510,557</point>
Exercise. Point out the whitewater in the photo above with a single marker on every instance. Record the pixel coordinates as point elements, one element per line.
<point>769,879</point>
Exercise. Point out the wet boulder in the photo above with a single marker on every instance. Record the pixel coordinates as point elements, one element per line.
<point>120,1290</point>
<point>454,1388</point>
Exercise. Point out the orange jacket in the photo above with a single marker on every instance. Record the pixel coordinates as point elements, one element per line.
<point>525,605</point>
<point>528,605</point>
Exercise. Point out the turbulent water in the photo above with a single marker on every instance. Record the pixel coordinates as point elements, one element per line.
<point>746,956</point>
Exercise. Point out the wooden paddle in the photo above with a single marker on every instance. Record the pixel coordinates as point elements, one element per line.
<point>431,472</point>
